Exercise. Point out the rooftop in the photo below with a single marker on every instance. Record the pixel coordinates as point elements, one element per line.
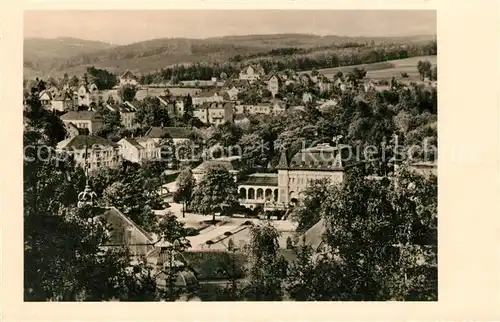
<point>80,115</point>
<point>173,132</point>
<point>80,141</point>
<point>260,179</point>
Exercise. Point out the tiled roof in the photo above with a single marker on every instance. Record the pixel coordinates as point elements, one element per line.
<point>80,141</point>
<point>213,105</point>
<point>260,179</point>
<point>314,236</point>
<point>117,220</point>
<point>174,132</point>
<point>208,93</point>
<point>80,115</point>
<point>321,157</point>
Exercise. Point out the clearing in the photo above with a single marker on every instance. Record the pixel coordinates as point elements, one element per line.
<point>386,69</point>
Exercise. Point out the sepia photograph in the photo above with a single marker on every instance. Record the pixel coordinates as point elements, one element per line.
<point>230,155</point>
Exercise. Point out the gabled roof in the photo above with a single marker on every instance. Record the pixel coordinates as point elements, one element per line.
<point>80,141</point>
<point>117,219</point>
<point>322,157</point>
<point>80,115</point>
<point>209,93</point>
<point>128,74</point>
<point>45,93</point>
<point>313,237</point>
<point>132,142</point>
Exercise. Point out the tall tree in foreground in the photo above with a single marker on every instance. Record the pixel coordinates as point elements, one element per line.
<point>268,267</point>
<point>185,188</point>
<point>216,192</point>
<point>380,241</point>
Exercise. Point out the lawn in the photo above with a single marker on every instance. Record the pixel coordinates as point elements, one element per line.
<point>385,70</point>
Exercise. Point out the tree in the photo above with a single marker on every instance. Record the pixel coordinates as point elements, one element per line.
<point>188,108</point>
<point>268,267</point>
<point>127,92</point>
<point>306,213</point>
<point>215,191</point>
<point>112,125</point>
<point>102,78</point>
<point>74,81</point>
<point>377,231</point>
<point>185,187</point>
<point>63,257</point>
<point>151,113</point>
<point>314,72</point>
<point>433,73</point>
<point>424,68</point>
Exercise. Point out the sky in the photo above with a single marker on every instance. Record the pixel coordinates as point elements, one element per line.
<point>125,27</point>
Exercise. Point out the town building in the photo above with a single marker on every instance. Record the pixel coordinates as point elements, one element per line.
<point>174,105</point>
<point>46,99</point>
<point>128,78</point>
<point>320,162</point>
<point>127,115</point>
<point>208,97</point>
<point>307,98</point>
<point>257,189</point>
<point>178,134</point>
<point>62,102</point>
<point>251,73</point>
<point>139,150</point>
<point>90,120</point>
<point>233,93</point>
<point>93,151</point>
<point>274,84</point>
<point>215,113</point>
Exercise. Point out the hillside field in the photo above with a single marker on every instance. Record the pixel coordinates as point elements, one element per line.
<point>385,70</point>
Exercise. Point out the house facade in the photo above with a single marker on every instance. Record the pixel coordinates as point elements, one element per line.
<point>100,152</point>
<point>90,120</point>
<point>215,113</point>
<point>320,162</point>
<point>251,73</point>
<point>128,78</point>
<point>62,102</point>
<point>46,99</point>
<point>207,97</point>
<point>178,134</point>
<point>273,84</point>
<point>139,150</point>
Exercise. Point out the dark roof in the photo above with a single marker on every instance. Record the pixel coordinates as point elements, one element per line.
<point>313,237</point>
<point>80,141</point>
<point>216,265</point>
<point>118,222</point>
<point>263,179</point>
<point>174,132</point>
<point>80,115</point>
<point>321,157</point>
<point>224,105</point>
<point>128,74</point>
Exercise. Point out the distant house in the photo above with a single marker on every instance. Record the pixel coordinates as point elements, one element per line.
<point>71,130</point>
<point>324,84</point>
<point>62,102</point>
<point>277,107</point>
<point>83,95</point>
<point>251,73</point>
<point>215,113</point>
<point>307,98</point>
<point>264,108</point>
<point>127,114</point>
<point>90,120</point>
<point>46,99</point>
<point>174,105</point>
<point>273,84</point>
<point>233,93</point>
<point>128,78</point>
<point>207,97</point>
<point>177,134</point>
<point>100,152</point>
<point>139,150</point>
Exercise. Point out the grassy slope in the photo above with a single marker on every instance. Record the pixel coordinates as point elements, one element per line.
<point>385,70</point>
<point>147,56</point>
